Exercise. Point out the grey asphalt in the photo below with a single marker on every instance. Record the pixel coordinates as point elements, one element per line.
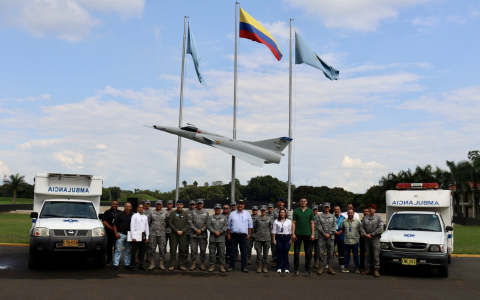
<point>77,279</point>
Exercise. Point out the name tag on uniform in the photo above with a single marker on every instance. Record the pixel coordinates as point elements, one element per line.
<point>177,215</point>
<point>214,220</point>
<point>350,229</point>
<point>281,229</point>
<point>181,216</point>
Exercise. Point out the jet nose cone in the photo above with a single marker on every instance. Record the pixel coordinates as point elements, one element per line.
<point>168,129</point>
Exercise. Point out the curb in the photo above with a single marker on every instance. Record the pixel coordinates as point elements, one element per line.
<point>14,244</point>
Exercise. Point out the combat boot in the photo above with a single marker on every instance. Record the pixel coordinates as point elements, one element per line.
<point>212,268</point>
<point>162,267</point>
<point>194,265</point>
<point>222,269</point>
<point>202,266</point>
<point>171,268</point>
<point>259,267</point>
<point>182,268</point>
<point>375,273</point>
<point>330,269</point>
<point>320,269</point>
<point>249,261</point>
<point>152,265</point>
<point>265,268</point>
<point>315,265</point>
<point>367,272</point>
<point>274,264</point>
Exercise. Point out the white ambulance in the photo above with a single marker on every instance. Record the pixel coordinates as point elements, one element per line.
<point>65,218</point>
<point>420,230</point>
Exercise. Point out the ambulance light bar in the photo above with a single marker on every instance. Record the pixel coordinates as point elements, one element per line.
<point>416,186</point>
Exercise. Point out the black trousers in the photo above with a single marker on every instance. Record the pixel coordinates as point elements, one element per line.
<point>362,253</point>
<point>140,247</point>
<point>238,240</point>
<point>340,250</point>
<point>307,247</point>
<point>111,239</point>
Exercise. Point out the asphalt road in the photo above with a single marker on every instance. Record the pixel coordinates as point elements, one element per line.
<point>66,279</point>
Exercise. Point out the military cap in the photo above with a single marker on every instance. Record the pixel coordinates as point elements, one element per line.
<point>373,205</point>
<point>146,202</point>
<point>240,201</point>
<point>270,205</point>
<point>326,204</point>
<point>179,201</point>
<point>217,205</point>
<point>169,201</point>
<point>200,201</point>
<point>263,207</point>
<point>233,203</point>
<point>192,202</point>
<point>315,207</point>
<point>255,207</point>
<point>159,202</point>
<point>281,200</point>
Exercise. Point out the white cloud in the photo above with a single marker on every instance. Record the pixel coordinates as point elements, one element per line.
<point>280,30</point>
<point>361,15</point>
<point>4,170</point>
<point>425,21</point>
<point>348,162</point>
<point>40,143</point>
<point>70,20</point>
<point>101,146</point>
<point>69,157</point>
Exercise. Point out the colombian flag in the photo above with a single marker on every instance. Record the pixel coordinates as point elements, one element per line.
<point>252,30</point>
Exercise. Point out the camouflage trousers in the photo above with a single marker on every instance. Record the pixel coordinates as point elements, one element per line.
<point>373,252</point>
<point>330,245</point>
<point>161,242</point>
<point>262,248</point>
<point>215,248</point>
<point>194,244</point>
<point>251,242</point>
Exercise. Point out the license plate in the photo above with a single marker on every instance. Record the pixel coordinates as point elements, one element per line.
<point>70,243</point>
<point>409,261</point>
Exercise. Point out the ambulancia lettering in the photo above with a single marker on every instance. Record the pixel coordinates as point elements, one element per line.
<point>412,203</point>
<point>59,189</point>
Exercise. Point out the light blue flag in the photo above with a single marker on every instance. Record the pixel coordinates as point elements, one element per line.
<point>305,55</point>
<point>192,49</point>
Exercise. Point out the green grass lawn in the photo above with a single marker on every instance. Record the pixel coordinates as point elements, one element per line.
<point>9,200</point>
<point>15,228</point>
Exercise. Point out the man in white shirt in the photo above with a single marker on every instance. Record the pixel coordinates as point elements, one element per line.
<point>355,215</point>
<point>139,232</point>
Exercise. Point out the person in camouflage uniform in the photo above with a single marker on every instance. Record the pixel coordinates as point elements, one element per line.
<point>326,225</point>
<point>272,246</point>
<point>262,226</point>
<point>168,231</point>
<point>251,240</point>
<point>315,241</point>
<point>371,229</point>
<point>217,225</point>
<point>191,208</point>
<point>157,223</point>
<point>198,224</point>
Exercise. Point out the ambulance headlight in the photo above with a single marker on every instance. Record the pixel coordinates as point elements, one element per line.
<point>41,231</point>
<point>384,246</point>
<point>98,232</point>
<point>435,248</point>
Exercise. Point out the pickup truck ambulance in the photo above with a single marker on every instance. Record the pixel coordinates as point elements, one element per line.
<point>420,230</point>
<point>65,218</point>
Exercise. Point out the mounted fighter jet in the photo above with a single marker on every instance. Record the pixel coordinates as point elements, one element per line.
<point>255,153</point>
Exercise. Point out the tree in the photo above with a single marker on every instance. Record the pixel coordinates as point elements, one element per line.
<point>105,194</point>
<point>115,192</point>
<point>195,183</point>
<point>15,183</point>
<point>266,188</point>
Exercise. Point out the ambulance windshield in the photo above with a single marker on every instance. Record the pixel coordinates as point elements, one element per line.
<point>415,222</point>
<point>69,210</point>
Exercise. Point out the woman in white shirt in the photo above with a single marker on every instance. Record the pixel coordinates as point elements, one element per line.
<point>282,239</point>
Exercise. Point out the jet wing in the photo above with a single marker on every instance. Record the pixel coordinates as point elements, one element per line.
<point>251,159</point>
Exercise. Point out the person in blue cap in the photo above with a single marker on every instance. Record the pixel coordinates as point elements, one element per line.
<point>178,222</point>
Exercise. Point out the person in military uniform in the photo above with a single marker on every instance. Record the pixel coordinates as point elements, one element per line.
<point>315,241</point>
<point>178,222</point>
<point>168,231</point>
<point>251,240</point>
<point>158,223</point>
<point>198,224</point>
<point>147,211</point>
<point>217,225</point>
<point>326,225</point>
<point>191,208</point>
<point>262,226</point>
<point>225,213</point>
<point>371,229</point>
<point>272,246</point>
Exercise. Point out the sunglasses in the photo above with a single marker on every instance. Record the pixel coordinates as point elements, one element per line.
<point>226,207</point>
<point>192,204</point>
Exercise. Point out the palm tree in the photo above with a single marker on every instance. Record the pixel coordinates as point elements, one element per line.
<point>455,176</point>
<point>195,183</point>
<point>15,183</point>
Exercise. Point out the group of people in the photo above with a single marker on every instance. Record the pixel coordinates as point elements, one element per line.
<point>231,229</point>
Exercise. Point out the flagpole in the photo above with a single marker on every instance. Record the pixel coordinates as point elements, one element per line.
<point>179,147</point>
<point>232,194</point>
<point>290,123</point>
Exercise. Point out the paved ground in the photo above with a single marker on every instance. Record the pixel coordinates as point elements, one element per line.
<point>78,280</point>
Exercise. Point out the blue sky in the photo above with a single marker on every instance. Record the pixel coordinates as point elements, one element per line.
<point>79,78</point>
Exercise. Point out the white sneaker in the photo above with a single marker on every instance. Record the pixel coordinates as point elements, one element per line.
<point>287,271</point>
<point>279,271</point>
<point>345,270</point>
<point>342,267</point>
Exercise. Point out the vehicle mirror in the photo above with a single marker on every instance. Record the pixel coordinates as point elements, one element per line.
<point>449,228</point>
<point>34,215</point>
<point>100,216</point>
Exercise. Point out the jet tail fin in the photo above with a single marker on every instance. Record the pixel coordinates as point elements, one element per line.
<point>276,144</point>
